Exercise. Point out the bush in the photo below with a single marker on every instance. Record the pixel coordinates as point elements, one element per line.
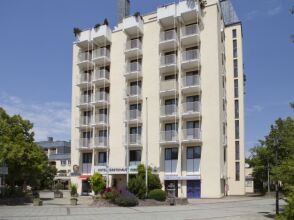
<point>58,186</point>
<point>110,194</point>
<point>158,195</point>
<point>288,209</point>
<point>126,200</point>
<point>73,190</point>
<point>98,183</point>
<point>137,186</point>
<point>153,182</point>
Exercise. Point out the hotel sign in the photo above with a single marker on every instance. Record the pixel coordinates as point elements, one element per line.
<point>117,170</point>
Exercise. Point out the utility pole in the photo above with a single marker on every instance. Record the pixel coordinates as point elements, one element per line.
<point>146,166</point>
<point>268,176</point>
<point>127,141</point>
<point>276,145</point>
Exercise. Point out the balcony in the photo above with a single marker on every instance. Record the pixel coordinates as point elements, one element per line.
<point>134,140</point>
<point>102,35</point>
<point>169,137</point>
<point>83,39</point>
<point>133,48</point>
<point>85,122</point>
<point>134,163</point>
<point>193,166</point>
<point>191,135</point>
<point>168,63</point>
<point>133,26</point>
<point>168,87</point>
<point>134,93</point>
<point>101,121</point>
<point>169,112</point>
<point>191,84</point>
<point>166,15</point>
<point>133,70</point>
<point>101,56</point>
<point>134,116</point>
<point>168,40</point>
<point>86,168</point>
<point>189,10</point>
<point>191,59</point>
<point>191,109</point>
<point>170,167</point>
<point>84,80</point>
<point>101,142</point>
<point>84,101</point>
<point>85,143</point>
<point>190,34</point>
<point>101,77</point>
<point>101,99</point>
<point>84,60</point>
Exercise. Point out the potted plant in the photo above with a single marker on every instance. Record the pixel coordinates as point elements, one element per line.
<point>137,14</point>
<point>77,31</point>
<point>105,22</point>
<point>73,194</point>
<point>57,192</point>
<point>36,199</point>
<point>98,184</point>
<point>97,26</point>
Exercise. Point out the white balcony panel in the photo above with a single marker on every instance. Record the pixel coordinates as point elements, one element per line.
<point>168,63</point>
<point>191,84</point>
<point>134,164</point>
<point>85,60</point>
<point>191,59</point>
<point>101,77</point>
<point>133,70</point>
<point>101,121</point>
<point>83,39</point>
<point>169,137</point>
<point>85,143</point>
<point>168,87</point>
<point>84,80</point>
<point>166,15</point>
<point>133,48</point>
<point>134,140</point>
<point>101,142</point>
<point>85,122</point>
<point>170,166</point>
<point>133,26</point>
<point>134,116</point>
<point>191,109</point>
<point>101,56</point>
<point>168,40</point>
<point>190,35</point>
<point>188,10</point>
<point>84,101</point>
<point>102,35</point>
<point>191,135</point>
<point>193,166</point>
<point>101,99</point>
<point>134,93</point>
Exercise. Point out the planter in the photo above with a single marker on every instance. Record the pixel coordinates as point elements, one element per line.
<point>74,201</point>
<point>37,202</point>
<point>58,194</point>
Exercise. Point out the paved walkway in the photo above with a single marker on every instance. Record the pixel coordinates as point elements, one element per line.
<point>227,209</point>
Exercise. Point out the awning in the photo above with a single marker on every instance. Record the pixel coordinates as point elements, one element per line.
<point>84,177</point>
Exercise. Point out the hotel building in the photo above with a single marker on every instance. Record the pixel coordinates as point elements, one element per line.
<point>164,89</point>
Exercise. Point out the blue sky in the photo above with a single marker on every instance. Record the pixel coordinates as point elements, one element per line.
<point>36,54</point>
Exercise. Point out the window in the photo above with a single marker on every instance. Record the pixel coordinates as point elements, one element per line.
<point>135,156</point>
<point>236,88</point>
<point>237,150</point>
<point>235,51</point>
<point>171,153</point>
<point>63,162</point>
<point>225,154</point>
<point>237,133</point>
<point>237,170</point>
<point>234,32</point>
<point>236,109</point>
<point>69,162</point>
<point>193,152</point>
<point>102,158</point>
<point>235,68</point>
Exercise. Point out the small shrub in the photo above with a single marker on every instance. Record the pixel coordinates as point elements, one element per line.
<point>137,186</point>
<point>158,195</point>
<point>110,194</point>
<point>98,183</point>
<point>97,26</point>
<point>58,186</point>
<point>126,200</point>
<point>105,22</point>
<point>77,31</point>
<point>74,190</point>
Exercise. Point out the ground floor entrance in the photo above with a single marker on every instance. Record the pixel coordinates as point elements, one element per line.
<point>193,189</point>
<point>171,185</point>
<point>86,189</point>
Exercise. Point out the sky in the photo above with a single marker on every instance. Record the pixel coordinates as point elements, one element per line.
<point>36,59</point>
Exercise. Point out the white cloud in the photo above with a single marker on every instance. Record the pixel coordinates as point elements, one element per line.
<point>49,118</point>
<point>274,11</point>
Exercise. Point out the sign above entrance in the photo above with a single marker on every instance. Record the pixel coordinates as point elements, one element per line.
<point>196,177</point>
<point>121,170</point>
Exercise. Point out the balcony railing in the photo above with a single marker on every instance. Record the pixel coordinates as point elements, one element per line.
<point>191,107</point>
<point>190,30</point>
<point>101,141</point>
<point>170,59</point>
<point>168,85</point>
<point>134,67</point>
<point>134,114</point>
<point>168,110</point>
<point>169,136</point>
<point>86,168</point>
<point>85,99</point>
<point>101,52</point>
<point>101,97</point>
<point>84,56</point>
<point>134,163</point>
<point>84,78</point>
<point>189,55</point>
<point>133,44</point>
<point>135,139</point>
<point>85,120</point>
<point>86,142</point>
<point>101,74</point>
<point>189,81</point>
<point>101,119</point>
<point>134,91</point>
<point>168,35</point>
<point>191,134</point>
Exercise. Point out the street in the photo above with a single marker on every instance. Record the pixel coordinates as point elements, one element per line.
<point>244,208</point>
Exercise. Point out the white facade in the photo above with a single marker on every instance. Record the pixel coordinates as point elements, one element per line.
<point>178,60</point>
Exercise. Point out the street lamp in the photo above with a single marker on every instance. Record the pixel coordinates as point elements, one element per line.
<point>276,146</point>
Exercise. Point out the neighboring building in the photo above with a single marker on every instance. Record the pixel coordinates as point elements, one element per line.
<point>249,181</point>
<point>58,153</point>
<point>188,62</point>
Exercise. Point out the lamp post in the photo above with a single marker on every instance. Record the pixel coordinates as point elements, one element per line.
<point>276,145</point>
<point>146,161</point>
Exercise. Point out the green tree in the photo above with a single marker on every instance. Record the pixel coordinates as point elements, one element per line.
<point>97,183</point>
<point>27,163</point>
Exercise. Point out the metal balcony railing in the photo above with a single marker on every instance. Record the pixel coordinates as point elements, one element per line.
<point>169,110</point>
<point>101,52</point>
<point>134,114</point>
<point>168,59</point>
<point>189,81</point>
<point>84,56</point>
<point>168,85</point>
<point>168,35</point>
<point>133,44</point>
<point>169,136</point>
<point>191,134</point>
<point>191,107</point>
<point>135,139</point>
<point>101,74</point>
<point>133,67</point>
<point>190,30</point>
<point>191,55</point>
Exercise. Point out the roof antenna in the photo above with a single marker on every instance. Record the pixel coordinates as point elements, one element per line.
<point>123,9</point>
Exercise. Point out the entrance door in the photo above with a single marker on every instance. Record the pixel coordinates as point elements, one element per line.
<point>86,189</point>
<point>171,184</point>
<point>193,189</point>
